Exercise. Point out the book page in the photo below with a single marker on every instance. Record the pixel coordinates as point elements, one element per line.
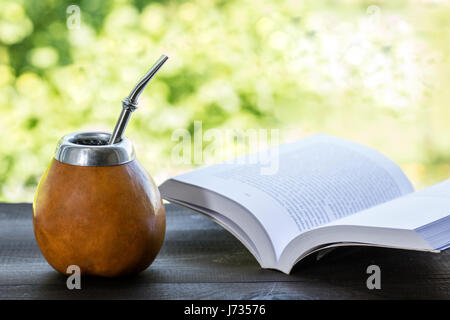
<point>319,179</point>
<point>427,212</point>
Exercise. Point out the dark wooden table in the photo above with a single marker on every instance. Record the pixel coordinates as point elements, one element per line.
<point>200,260</point>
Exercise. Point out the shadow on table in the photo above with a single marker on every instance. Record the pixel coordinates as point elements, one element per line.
<point>341,274</point>
<point>53,286</point>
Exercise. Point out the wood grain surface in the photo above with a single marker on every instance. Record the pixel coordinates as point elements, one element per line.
<point>200,260</point>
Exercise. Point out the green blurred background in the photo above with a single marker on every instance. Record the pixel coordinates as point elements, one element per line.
<point>374,72</point>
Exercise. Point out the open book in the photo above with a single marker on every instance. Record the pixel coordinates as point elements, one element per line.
<point>326,192</point>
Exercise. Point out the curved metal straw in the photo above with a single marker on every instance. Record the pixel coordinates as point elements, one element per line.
<point>129,104</point>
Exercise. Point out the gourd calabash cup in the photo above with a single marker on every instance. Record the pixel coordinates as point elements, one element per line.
<point>96,207</point>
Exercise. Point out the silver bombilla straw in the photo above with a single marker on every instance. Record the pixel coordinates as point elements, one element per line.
<point>130,103</point>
